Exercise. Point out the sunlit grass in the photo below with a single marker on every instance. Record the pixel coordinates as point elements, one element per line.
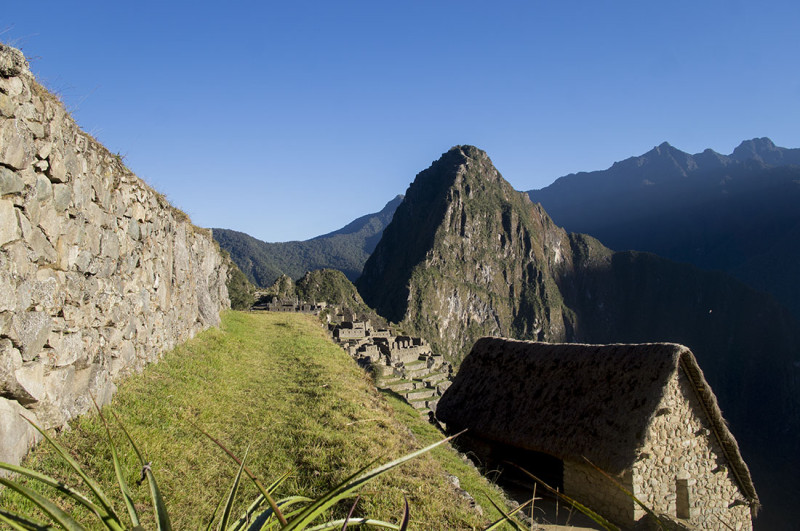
<point>276,384</point>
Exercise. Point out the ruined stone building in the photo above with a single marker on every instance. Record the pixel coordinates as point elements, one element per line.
<point>642,413</point>
<point>403,364</point>
<point>293,306</point>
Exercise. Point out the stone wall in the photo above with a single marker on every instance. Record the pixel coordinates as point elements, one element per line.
<point>586,485</point>
<point>683,471</point>
<point>98,273</point>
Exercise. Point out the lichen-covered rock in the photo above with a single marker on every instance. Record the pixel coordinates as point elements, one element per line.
<point>98,273</point>
<point>12,62</point>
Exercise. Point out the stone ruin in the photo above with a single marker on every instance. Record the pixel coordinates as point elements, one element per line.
<point>292,305</point>
<point>402,364</point>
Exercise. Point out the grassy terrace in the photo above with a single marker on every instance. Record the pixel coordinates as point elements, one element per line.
<point>276,383</point>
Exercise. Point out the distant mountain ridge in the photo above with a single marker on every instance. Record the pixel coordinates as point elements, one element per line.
<point>467,256</point>
<point>736,213</point>
<point>345,249</point>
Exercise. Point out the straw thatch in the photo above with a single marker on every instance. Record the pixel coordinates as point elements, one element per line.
<point>571,400</point>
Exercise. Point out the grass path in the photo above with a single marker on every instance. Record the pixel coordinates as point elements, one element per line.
<point>276,384</point>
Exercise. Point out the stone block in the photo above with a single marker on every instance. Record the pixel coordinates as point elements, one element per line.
<point>133,230</point>
<point>9,225</point>
<point>19,261</point>
<point>13,146</point>
<point>8,106</point>
<point>44,188</point>
<point>110,245</point>
<point>44,149</point>
<point>57,172</point>
<point>28,111</point>
<point>67,348</point>
<point>45,292</point>
<point>30,379</point>
<point>10,182</point>
<point>8,290</point>
<point>10,362</point>
<point>12,86</point>
<point>62,197</point>
<point>41,250</point>
<point>16,434</point>
<point>83,261</point>
<point>31,330</point>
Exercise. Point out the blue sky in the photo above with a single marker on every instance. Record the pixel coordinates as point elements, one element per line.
<point>288,120</point>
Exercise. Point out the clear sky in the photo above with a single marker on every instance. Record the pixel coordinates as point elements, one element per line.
<point>288,120</point>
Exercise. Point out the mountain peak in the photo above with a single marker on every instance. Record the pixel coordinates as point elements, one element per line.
<point>445,212</point>
<point>754,148</point>
<point>765,151</point>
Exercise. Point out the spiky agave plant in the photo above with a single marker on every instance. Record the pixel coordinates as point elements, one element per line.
<point>264,513</point>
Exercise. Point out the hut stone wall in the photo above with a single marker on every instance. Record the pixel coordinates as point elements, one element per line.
<point>682,470</point>
<point>588,486</point>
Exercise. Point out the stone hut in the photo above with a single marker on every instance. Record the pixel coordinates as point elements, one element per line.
<point>643,413</point>
<point>352,330</point>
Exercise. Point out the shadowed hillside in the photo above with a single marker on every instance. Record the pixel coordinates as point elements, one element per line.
<point>467,256</point>
<point>737,213</point>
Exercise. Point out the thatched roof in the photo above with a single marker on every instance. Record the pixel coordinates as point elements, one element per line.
<point>571,400</point>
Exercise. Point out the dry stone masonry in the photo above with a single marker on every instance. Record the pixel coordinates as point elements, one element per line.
<point>402,364</point>
<point>98,273</point>
<point>642,413</point>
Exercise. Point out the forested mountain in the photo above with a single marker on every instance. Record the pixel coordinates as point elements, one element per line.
<point>467,256</point>
<point>739,213</point>
<point>345,249</point>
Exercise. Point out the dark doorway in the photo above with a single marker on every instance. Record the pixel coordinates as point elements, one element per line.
<point>545,467</point>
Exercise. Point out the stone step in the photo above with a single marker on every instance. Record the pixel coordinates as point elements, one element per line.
<point>385,383</point>
<point>383,370</point>
<point>432,404</point>
<point>418,394</point>
<point>418,404</point>
<point>441,387</point>
<point>435,377</point>
<point>402,385</point>
<point>415,365</point>
<point>418,374</point>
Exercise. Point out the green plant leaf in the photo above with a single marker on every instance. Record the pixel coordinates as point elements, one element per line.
<point>47,506</point>
<point>106,510</point>
<point>344,489</point>
<point>262,521</point>
<point>54,483</point>
<point>507,517</point>
<point>210,525</point>
<point>24,523</point>
<point>247,517</point>
<point>355,522</point>
<point>406,516</point>
<point>226,513</point>
<point>264,491</point>
<point>155,494</point>
<point>123,485</point>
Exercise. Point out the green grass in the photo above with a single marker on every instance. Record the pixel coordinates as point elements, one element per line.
<point>275,383</point>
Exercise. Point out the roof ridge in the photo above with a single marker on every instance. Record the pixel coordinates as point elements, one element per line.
<point>722,433</point>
